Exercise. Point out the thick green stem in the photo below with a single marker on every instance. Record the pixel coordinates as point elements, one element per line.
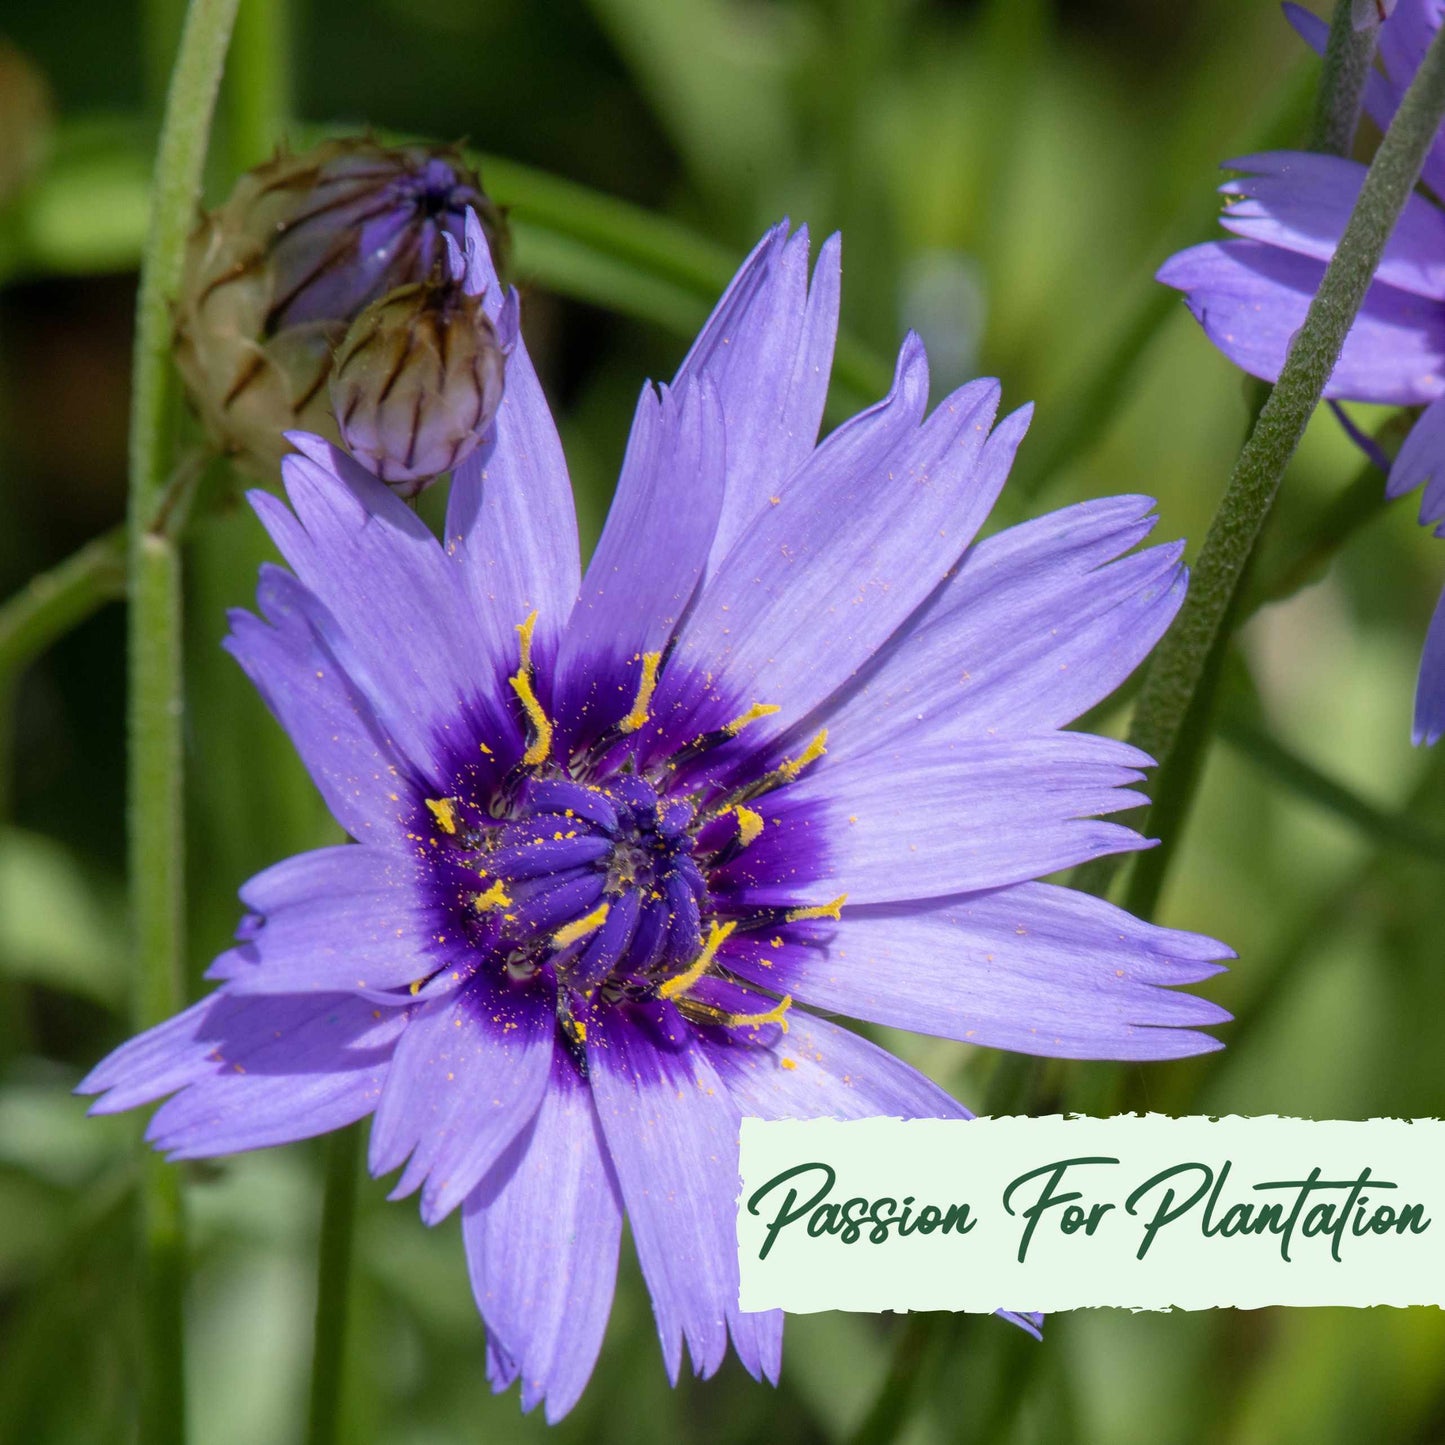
<point>155,819</point>
<point>1177,681</point>
<point>1348,56</point>
<point>338,1221</point>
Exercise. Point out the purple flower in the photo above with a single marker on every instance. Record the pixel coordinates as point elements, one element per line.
<point>795,740</point>
<point>1290,208</point>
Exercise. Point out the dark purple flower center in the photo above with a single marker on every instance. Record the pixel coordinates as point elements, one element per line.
<point>611,864</point>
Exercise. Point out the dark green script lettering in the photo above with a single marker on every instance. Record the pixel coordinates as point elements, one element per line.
<point>1073,1217</point>
<point>857,1218</point>
<point>1344,1208</point>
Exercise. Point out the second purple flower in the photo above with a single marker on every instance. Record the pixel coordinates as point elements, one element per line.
<point>1288,210</point>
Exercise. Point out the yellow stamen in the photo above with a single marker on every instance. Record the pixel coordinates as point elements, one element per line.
<point>578,1030</point>
<point>679,983</point>
<point>791,767</point>
<point>494,897</point>
<point>756,711</point>
<point>750,824</point>
<point>775,1015</point>
<point>651,661</point>
<point>705,1013</point>
<point>581,927</point>
<point>525,631</point>
<point>541,743</point>
<point>416,986</point>
<point>444,813</point>
<point>822,910</point>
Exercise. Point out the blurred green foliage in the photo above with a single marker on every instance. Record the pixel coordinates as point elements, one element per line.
<point>1008,174</point>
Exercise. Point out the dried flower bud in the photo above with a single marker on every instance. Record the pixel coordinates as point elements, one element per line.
<point>276,275</point>
<point>417,382</point>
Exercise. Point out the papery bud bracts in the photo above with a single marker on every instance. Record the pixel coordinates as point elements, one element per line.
<point>276,275</point>
<point>417,382</point>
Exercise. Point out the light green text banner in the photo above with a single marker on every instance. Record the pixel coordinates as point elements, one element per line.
<point>1139,1212</point>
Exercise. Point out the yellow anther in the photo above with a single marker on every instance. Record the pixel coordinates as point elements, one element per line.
<point>494,897</point>
<point>578,1030</point>
<point>750,824</point>
<point>822,910</point>
<point>541,743</point>
<point>756,711</point>
<point>791,767</point>
<point>416,986</point>
<point>651,661</point>
<point>444,813</point>
<point>775,1015</point>
<point>581,927</point>
<point>717,933</point>
<point>525,631</point>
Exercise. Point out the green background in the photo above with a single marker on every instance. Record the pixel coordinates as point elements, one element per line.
<point>1008,176</point>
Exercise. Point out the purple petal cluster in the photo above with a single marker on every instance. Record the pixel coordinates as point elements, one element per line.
<point>795,740</point>
<point>1288,210</point>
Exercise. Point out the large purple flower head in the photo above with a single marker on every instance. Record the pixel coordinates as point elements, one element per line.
<point>1289,209</point>
<point>795,740</point>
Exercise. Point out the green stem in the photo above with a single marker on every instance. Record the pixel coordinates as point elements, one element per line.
<point>156,839</point>
<point>49,605</point>
<point>1176,681</point>
<point>1349,54</point>
<point>43,611</point>
<point>338,1221</point>
<point>258,82</point>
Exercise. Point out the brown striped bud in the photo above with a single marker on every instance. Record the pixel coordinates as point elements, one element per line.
<point>417,382</point>
<point>277,273</point>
